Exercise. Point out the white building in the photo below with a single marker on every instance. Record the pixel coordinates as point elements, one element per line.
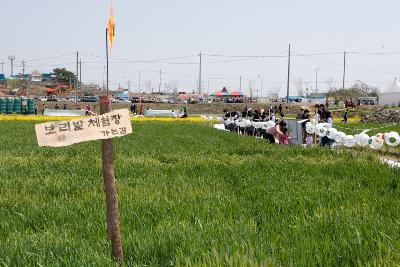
<point>36,77</point>
<point>391,96</point>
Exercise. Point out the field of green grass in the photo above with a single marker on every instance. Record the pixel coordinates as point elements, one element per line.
<point>192,195</point>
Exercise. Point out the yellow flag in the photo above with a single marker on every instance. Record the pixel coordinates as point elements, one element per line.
<point>111,27</point>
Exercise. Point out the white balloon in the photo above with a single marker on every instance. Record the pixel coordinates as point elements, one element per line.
<point>320,129</point>
<point>340,137</point>
<point>349,141</point>
<point>376,141</point>
<point>310,128</point>
<point>392,138</point>
<point>361,139</point>
<point>331,133</point>
<point>313,121</point>
<point>227,121</point>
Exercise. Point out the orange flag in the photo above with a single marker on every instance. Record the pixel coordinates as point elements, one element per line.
<point>111,27</point>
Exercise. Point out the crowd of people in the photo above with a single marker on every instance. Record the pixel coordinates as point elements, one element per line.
<point>135,110</point>
<point>277,129</point>
<point>278,132</point>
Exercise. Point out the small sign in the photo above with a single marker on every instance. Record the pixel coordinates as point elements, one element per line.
<point>64,133</point>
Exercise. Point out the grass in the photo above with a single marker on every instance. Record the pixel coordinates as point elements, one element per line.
<point>192,195</point>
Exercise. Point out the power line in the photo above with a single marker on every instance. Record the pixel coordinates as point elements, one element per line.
<point>51,57</point>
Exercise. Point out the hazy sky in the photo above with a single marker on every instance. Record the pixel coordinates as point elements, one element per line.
<point>223,29</point>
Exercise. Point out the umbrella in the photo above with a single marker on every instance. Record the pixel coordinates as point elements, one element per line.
<point>221,93</point>
<point>237,93</point>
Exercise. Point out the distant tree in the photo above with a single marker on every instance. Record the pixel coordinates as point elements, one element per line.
<point>172,87</point>
<point>357,90</point>
<point>330,83</point>
<point>64,76</point>
<point>36,72</point>
<point>299,86</point>
<point>147,84</point>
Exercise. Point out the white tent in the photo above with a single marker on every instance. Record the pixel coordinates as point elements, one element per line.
<point>391,96</point>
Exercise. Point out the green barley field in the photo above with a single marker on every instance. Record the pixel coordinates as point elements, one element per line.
<point>193,196</point>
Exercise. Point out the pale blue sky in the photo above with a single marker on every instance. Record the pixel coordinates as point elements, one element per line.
<point>151,29</point>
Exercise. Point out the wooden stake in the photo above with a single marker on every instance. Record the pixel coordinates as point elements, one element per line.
<point>113,229</point>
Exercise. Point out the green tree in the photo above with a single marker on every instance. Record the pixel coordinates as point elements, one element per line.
<point>64,76</point>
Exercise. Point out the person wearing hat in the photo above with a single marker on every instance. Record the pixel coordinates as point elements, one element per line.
<point>300,114</point>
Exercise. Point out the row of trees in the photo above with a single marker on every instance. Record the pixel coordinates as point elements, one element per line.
<point>358,89</point>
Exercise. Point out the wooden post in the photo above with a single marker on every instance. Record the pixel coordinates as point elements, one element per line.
<point>113,229</point>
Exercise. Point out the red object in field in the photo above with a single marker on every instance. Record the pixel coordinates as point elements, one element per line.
<point>237,93</point>
<point>59,89</point>
<point>221,93</point>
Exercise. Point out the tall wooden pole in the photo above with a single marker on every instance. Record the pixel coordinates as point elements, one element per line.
<point>107,59</point>
<point>199,89</point>
<point>76,79</point>
<point>110,188</point>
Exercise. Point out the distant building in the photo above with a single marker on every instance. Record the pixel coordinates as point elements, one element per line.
<point>21,76</point>
<point>296,99</point>
<point>124,95</point>
<point>391,96</point>
<point>3,79</point>
<point>47,77</point>
<point>36,77</point>
<point>91,87</point>
<point>317,98</point>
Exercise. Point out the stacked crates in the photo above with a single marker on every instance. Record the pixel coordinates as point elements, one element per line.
<point>10,105</point>
<point>31,106</point>
<point>3,105</point>
<point>18,105</point>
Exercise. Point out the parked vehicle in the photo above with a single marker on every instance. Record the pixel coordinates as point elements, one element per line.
<point>89,99</point>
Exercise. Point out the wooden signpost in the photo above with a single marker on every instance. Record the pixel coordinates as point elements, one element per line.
<point>105,127</point>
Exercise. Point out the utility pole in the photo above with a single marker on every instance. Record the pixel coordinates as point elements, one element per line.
<point>261,85</point>
<point>208,87</point>
<point>288,78</point>
<point>344,68</point>
<point>80,70</point>
<point>251,90</point>
<point>139,83</point>
<point>12,58</point>
<point>240,84</point>
<point>159,85</point>
<point>76,79</point>
<point>199,90</point>
<point>2,67</point>
<point>27,86</point>
<point>316,80</point>
<point>23,68</point>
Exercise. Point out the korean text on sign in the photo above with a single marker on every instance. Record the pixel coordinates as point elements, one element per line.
<point>63,133</point>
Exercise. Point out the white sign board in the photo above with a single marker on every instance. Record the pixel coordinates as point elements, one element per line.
<point>64,133</point>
